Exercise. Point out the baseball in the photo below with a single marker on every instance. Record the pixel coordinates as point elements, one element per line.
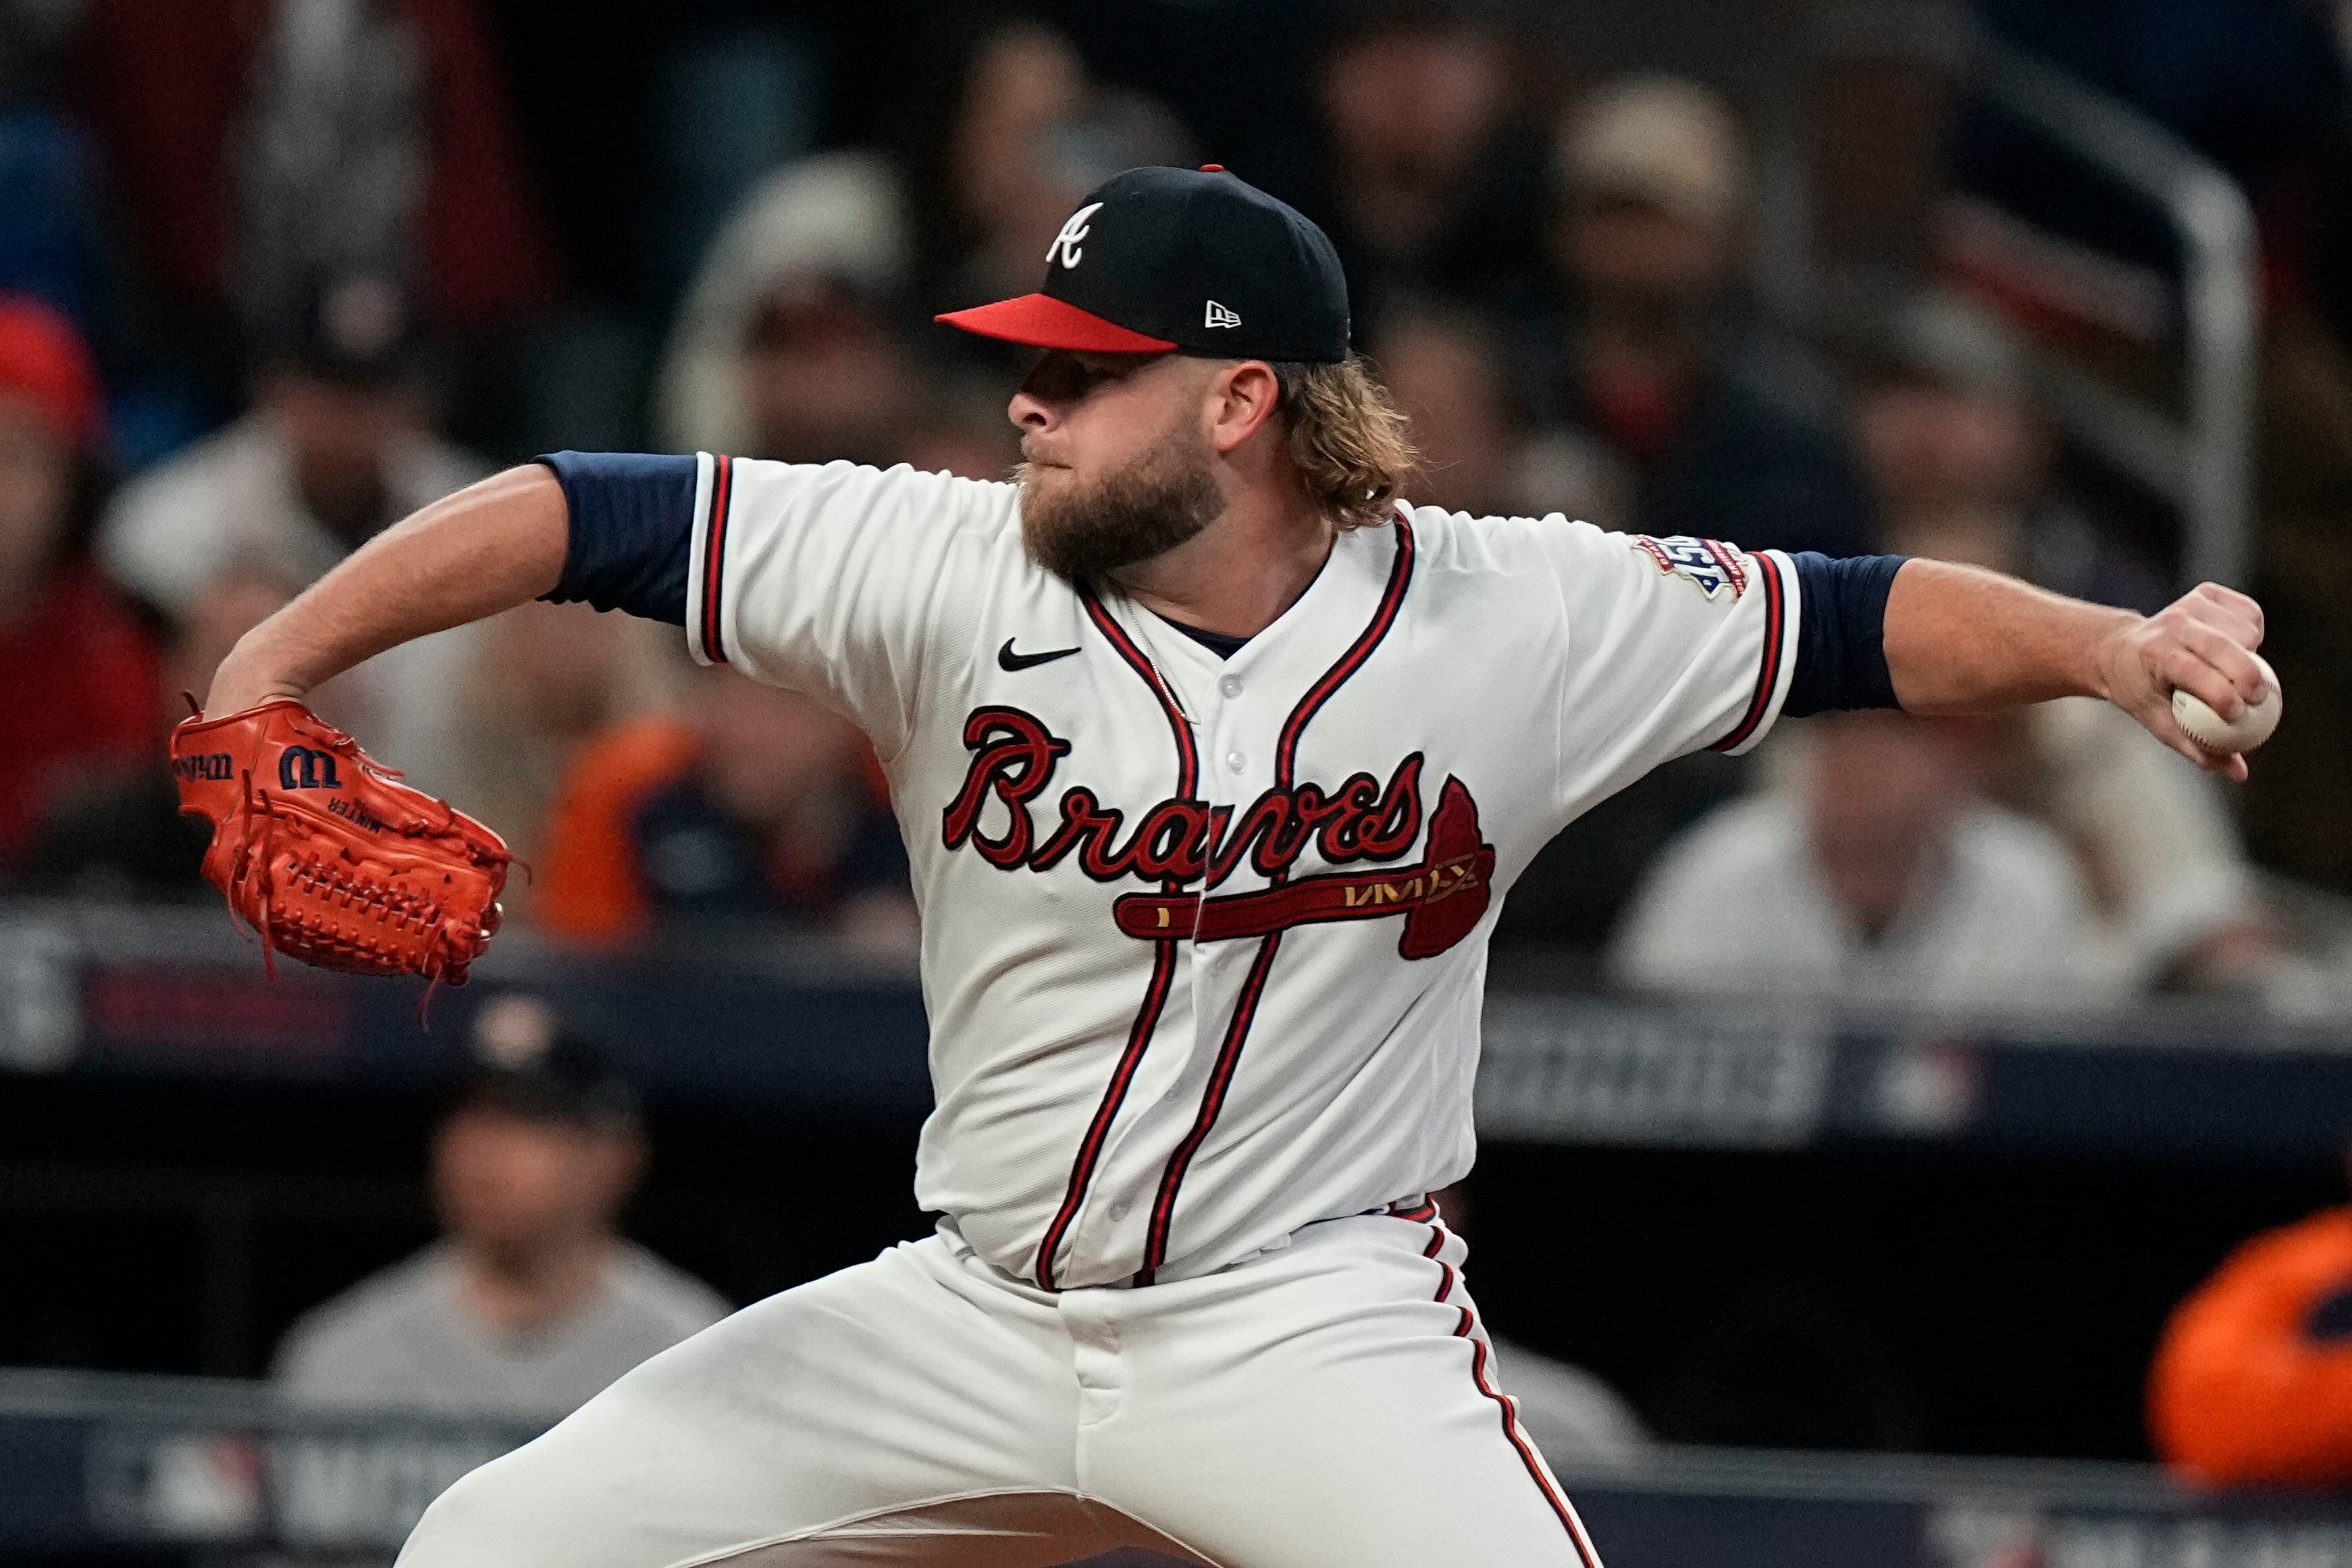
<point>2208,730</point>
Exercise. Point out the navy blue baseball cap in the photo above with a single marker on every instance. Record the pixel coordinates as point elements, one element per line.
<point>1181,260</point>
<point>531,1060</point>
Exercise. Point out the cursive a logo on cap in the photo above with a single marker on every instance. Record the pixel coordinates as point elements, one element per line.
<point>1065,244</point>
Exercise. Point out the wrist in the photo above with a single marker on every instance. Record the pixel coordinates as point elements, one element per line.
<point>242,682</point>
<point>2099,676</point>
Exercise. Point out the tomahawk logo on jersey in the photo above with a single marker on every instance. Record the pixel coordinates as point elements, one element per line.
<point>1204,939</point>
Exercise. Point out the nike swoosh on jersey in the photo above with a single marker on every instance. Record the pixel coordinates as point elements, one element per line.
<point>1007,659</point>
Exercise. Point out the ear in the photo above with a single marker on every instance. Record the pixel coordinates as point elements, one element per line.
<point>1241,398</point>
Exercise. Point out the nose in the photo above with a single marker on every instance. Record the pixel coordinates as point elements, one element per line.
<point>1031,408</point>
<point>1029,411</point>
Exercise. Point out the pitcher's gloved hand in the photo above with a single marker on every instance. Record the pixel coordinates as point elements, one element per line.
<point>328,855</point>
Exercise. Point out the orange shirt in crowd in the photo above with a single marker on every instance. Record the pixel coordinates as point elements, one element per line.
<point>589,886</point>
<point>632,801</point>
<point>2252,1381</point>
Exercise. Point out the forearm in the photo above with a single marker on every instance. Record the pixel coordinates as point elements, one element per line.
<point>1960,639</point>
<point>488,548</point>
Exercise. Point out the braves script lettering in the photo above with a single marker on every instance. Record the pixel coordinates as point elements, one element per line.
<point>1175,842</point>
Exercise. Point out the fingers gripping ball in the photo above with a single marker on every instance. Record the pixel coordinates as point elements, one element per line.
<point>328,855</point>
<point>2218,736</point>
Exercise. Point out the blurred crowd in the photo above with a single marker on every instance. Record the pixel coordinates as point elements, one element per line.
<point>273,274</point>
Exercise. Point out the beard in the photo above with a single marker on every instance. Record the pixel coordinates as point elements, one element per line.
<point>1084,532</point>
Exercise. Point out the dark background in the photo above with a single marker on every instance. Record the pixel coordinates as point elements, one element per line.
<point>1898,1297</point>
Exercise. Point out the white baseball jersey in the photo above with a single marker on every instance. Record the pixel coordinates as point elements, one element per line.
<point>1204,939</point>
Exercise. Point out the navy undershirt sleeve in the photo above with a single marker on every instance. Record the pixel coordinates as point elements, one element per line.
<point>632,531</point>
<point>1841,634</point>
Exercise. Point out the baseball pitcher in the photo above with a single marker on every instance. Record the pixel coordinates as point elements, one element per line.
<point>1214,762</point>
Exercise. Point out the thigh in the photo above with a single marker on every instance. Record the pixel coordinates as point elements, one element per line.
<point>1331,1407</point>
<point>863,1398</point>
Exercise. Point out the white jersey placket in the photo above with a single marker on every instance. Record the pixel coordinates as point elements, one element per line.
<point>1246,720</point>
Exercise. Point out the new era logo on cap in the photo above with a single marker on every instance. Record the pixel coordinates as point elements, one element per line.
<point>1195,262</point>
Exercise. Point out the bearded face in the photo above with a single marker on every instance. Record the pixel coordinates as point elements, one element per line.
<point>1083,530</point>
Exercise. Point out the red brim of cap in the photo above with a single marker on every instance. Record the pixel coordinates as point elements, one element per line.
<point>1043,321</point>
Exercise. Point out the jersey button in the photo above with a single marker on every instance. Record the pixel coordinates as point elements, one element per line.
<point>1231,685</point>
<point>1236,761</point>
<point>1120,1209</point>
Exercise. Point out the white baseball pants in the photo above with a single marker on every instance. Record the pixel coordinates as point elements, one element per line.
<point>1329,1404</point>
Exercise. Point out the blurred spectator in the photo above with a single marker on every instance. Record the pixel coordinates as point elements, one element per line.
<point>532,688</point>
<point>122,837</point>
<point>1445,368</point>
<point>1950,440</point>
<point>1875,874</point>
<point>532,1302</point>
<point>1018,134</point>
<point>2253,1380</point>
<point>1006,80</point>
<point>336,448</point>
<point>83,697</point>
<point>2153,840</point>
<point>322,124</point>
<point>497,726</point>
<point>787,346</point>
<point>754,804</point>
<point>791,344</point>
<point>1960,467</point>
<point>1645,359</point>
<point>1104,133</point>
<point>1424,187</point>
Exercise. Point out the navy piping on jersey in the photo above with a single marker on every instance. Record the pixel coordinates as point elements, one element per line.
<point>629,531</point>
<point>1229,1052</point>
<point>1463,1329</point>
<point>1842,633</point>
<point>1166,952</point>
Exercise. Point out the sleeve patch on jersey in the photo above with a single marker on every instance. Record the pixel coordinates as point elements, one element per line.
<point>1710,563</point>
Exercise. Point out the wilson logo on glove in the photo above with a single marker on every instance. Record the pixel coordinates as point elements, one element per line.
<point>212,766</point>
<point>301,767</point>
<point>328,854</point>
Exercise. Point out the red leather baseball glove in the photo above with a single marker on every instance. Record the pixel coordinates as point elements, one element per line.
<point>328,854</point>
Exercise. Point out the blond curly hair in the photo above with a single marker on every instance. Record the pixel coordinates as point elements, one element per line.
<point>1347,438</point>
